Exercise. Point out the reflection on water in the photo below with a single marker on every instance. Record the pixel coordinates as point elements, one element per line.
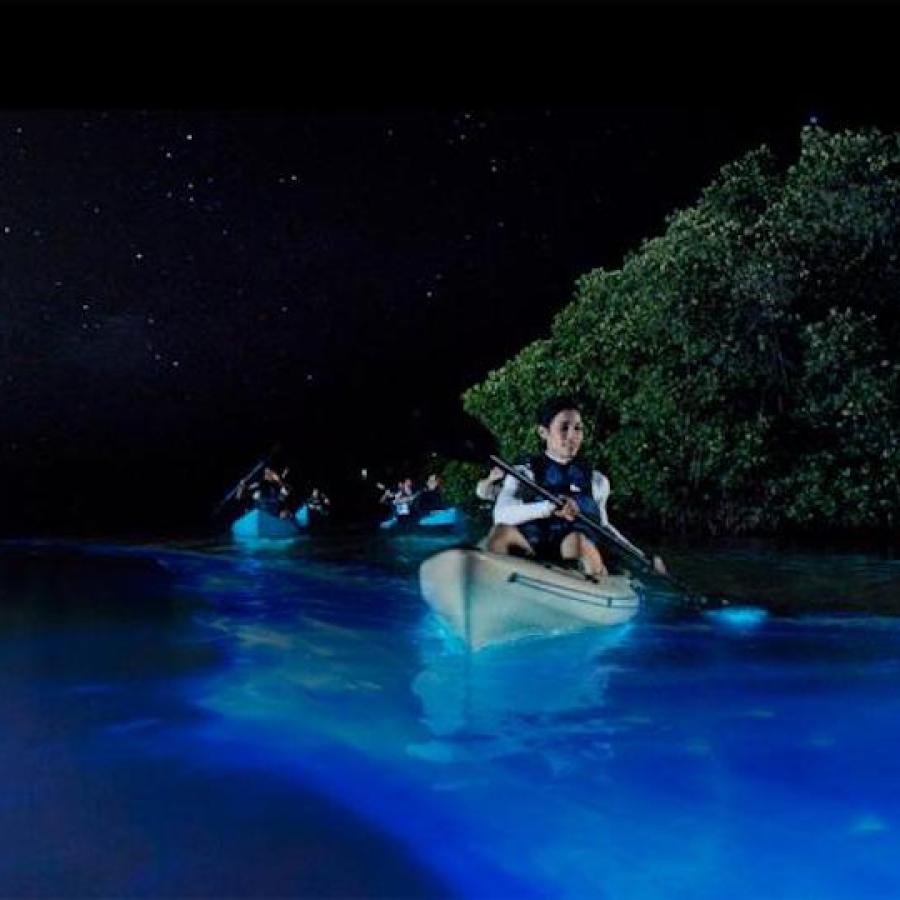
<point>296,723</point>
<point>474,704</point>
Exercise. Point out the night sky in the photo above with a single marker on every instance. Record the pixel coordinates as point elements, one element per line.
<point>192,269</point>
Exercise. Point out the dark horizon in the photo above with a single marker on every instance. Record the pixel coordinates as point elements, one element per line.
<point>204,258</point>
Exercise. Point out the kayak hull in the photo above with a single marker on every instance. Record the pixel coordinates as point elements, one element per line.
<point>260,525</point>
<point>302,516</point>
<point>443,518</point>
<point>488,598</point>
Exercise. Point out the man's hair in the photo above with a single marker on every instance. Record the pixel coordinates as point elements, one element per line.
<point>555,405</point>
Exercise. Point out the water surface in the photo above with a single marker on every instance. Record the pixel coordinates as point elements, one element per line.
<point>209,720</point>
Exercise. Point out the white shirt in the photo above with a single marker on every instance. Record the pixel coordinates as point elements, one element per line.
<point>487,490</point>
<point>511,509</point>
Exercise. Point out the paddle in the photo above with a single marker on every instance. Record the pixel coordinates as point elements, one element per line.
<point>405,499</point>
<point>633,553</point>
<point>260,465</point>
<point>466,438</point>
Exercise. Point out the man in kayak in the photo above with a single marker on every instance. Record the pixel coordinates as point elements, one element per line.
<point>431,498</point>
<point>318,505</point>
<point>402,500</point>
<point>524,523</point>
<point>269,493</point>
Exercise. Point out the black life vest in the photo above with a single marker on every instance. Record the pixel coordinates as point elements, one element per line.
<point>572,479</point>
<point>267,496</point>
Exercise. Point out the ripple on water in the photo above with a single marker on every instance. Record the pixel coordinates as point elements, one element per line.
<point>659,759</point>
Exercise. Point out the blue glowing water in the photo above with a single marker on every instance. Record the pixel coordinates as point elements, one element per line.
<point>224,722</point>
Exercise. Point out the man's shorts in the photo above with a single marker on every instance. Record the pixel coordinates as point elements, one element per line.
<point>546,536</point>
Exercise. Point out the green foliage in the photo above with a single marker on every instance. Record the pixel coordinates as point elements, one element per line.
<point>460,479</point>
<point>741,370</point>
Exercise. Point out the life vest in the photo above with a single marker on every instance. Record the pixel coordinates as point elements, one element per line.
<point>573,479</point>
<point>267,497</point>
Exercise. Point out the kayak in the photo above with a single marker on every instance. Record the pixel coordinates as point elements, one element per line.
<point>261,525</point>
<point>451,516</point>
<point>488,598</point>
<point>440,518</point>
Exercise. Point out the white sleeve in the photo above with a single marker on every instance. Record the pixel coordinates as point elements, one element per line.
<point>600,489</point>
<point>510,509</point>
<point>485,489</point>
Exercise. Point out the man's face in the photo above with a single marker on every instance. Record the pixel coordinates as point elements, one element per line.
<point>564,435</point>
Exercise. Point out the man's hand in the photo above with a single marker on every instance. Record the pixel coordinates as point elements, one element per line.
<point>568,510</point>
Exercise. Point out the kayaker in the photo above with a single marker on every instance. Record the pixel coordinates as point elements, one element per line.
<point>526,524</point>
<point>401,499</point>
<point>431,498</point>
<point>318,505</point>
<point>270,493</point>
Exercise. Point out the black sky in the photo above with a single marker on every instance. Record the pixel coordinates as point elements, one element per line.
<point>226,235</point>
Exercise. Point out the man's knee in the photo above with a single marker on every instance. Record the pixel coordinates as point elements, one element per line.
<point>498,538</point>
<point>580,544</point>
<point>502,537</point>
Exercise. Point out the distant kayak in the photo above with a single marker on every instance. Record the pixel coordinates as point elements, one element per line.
<point>261,525</point>
<point>440,518</point>
<point>489,598</point>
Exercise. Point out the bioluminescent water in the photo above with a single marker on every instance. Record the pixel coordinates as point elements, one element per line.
<point>224,721</point>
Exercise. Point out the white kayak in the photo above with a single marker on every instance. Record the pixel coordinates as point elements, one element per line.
<point>488,598</point>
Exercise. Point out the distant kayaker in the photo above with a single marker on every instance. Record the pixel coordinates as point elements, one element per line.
<point>318,505</point>
<point>526,524</point>
<point>270,493</point>
<point>401,499</point>
<point>431,498</point>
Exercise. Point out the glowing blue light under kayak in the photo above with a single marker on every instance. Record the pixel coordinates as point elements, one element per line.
<point>258,524</point>
<point>440,517</point>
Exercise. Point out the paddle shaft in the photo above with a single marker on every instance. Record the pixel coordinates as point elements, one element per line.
<point>599,527</point>
<point>260,465</point>
<point>405,499</point>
